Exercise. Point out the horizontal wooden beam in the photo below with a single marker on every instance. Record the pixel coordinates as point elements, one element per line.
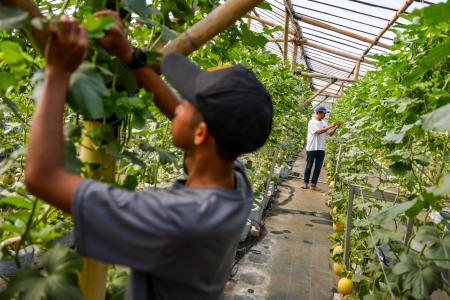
<point>317,75</point>
<point>339,30</point>
<point>289,40</point>
<point>332,66</point>
<point>337,52</point>
<point>315,45</point>
<point>271,24</point>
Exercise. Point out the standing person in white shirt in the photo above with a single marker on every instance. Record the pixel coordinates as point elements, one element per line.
<point>315,147</point>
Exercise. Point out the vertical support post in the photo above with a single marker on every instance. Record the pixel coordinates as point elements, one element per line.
<point>338,165</point>
<point>286,36</point>
<point>92,278</point>
<point>249,22</point>
<point>358,64</point>
<point>348,227</point>
<point>409,230</point>
<point>294,56</point>
<point>274,160</point>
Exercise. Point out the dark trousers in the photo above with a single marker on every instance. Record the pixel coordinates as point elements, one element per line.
<point>313,158</point>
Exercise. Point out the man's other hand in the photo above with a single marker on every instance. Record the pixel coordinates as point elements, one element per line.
<point>333,124</point>
<point>116,41</point>
<point>67,46</point>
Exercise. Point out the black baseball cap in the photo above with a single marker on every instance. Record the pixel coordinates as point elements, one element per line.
<point>233,103</point>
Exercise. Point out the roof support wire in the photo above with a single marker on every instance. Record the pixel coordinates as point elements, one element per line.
<point>338,30</point>
<point>316,94</point>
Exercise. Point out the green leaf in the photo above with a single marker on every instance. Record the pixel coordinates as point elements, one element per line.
<point>71,162</point>
<point>437,120</point>
<point>411,78</point>
<point>422,159</point>
<point>420,277</point>
<point>358,278</point>
<point>130,183</point>
<point>385,236</point>
<point>11,18</point>
<point>147,21</point>
<point>164,156</point>
<point>437,54</point>
<point>13,108</point>
<point>140,7</point>
<point>17,202</point>
<point>251,39</point>
<point>389,214</point>
<point>265,5</point>
<point>116,284</point>
<point>438,248</point>
<point>395,137</point>
<point>59,282</point>
<point>96,27</point>
<point>12,52</point>
<point>86,92</point>
<point>179,8</point>
<point>400,167</point>
<point>443,187</point>
<point>7,80</point>
<point>168,34</point>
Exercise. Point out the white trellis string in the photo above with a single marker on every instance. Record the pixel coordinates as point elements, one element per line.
<point>378,255</point>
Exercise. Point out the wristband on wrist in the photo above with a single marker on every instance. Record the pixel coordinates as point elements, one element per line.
<point>139,60</point>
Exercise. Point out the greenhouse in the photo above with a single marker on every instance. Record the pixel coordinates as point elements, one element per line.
<point>238,149</point>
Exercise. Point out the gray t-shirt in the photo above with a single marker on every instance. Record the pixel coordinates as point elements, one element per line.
<point>179,243</point>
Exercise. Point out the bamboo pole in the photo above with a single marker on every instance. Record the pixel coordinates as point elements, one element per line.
<point>358,64</point>
<point>290,9</point>
<point>338,30</point>
<point>321,101</point>
<point>332,66</point>
<point>286,36</point>
<point>316,75</point>
<point>401,10</point>
<point>271,24</point>
<point>314,96</point>
<point>92,278</point>
<point>279,40</point>
<point>204,30</point>
<point>294,56</point>
<point>315,45</point>
<point>337,52</point>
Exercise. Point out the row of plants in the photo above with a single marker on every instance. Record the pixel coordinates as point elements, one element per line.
<point>396,138</point>
<point>130,128</point>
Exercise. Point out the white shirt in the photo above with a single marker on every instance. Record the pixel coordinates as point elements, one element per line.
<point>316,141</point>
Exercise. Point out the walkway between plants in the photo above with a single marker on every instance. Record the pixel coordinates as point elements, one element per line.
<point>292,261</point>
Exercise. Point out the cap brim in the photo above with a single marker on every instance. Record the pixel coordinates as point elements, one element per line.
<point>181,73</point>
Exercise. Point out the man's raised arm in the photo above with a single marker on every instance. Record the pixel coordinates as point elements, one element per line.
<point>117,44</point>
<point>45,175</point>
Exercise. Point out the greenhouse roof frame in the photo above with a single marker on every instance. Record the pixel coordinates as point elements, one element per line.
<point>333,37</point>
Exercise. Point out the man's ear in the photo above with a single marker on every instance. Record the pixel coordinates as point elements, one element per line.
<point>201,134</point>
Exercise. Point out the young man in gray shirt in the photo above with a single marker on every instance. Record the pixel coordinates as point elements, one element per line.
<point>180,242</point>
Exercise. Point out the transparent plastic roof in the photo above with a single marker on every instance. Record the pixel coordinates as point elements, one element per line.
<point>365,18</point>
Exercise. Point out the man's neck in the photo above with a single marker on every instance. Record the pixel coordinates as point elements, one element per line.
<point>317,117</point>
<point>208,171</point>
